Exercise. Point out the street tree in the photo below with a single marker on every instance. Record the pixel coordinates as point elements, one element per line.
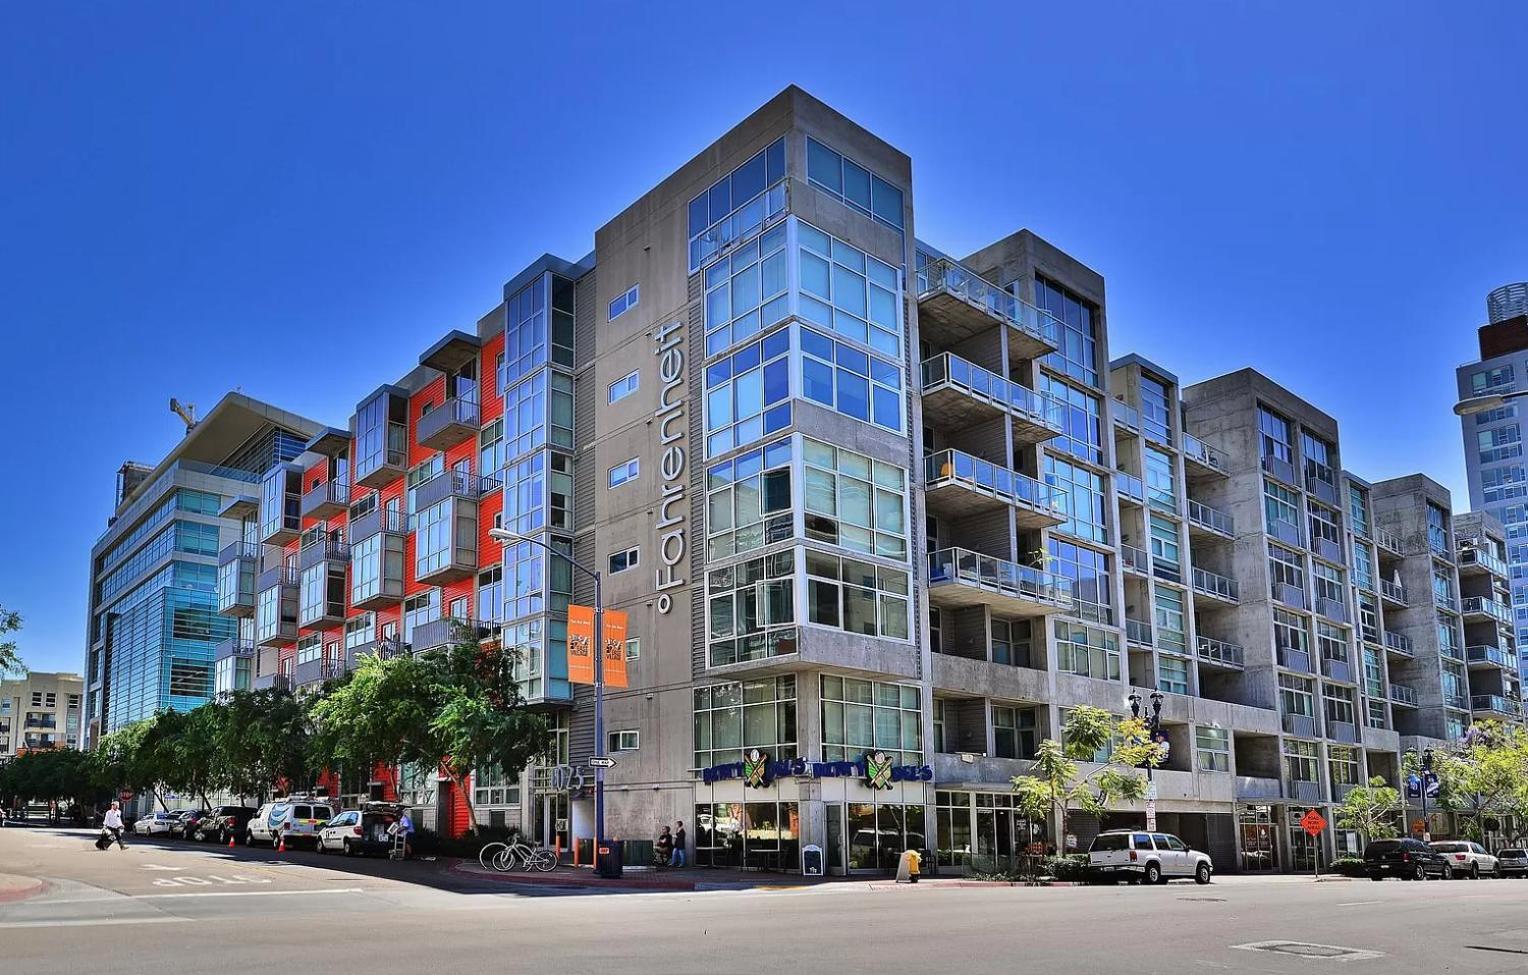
<point>124,759</point>
<point>1059,784</point>
<point>184,750</point>
<point>261,739</point>
<point>456,709</point>
<point>10,657</point>
<point>1483,773</point>
<point>1371,810</point>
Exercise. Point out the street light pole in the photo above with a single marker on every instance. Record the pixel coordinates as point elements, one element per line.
<point>505,536</point>
<point>1427,764</point>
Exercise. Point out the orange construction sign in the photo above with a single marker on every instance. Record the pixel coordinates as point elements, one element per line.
<point>581,644</point>
<point>1313,823</point>
<point>615,647</point>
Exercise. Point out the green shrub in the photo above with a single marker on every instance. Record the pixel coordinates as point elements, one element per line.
<point>1069,868</point>
<point>1348,866</point>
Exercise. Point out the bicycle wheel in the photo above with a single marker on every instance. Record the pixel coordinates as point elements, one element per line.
<point>488,852</point>
<point>546,861</point>
<point>504,860</point>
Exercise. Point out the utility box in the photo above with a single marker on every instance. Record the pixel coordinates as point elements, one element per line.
<point>608,863</point>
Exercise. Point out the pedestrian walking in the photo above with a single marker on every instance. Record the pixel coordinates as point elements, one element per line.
<point>665,847</point>
<point>112,823</point>
<point>678,858</point>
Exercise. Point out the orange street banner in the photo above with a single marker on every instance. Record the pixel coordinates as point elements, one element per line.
<point>581,644</point>
<point>615,647</point>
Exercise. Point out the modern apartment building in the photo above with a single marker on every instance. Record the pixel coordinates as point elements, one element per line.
<point>40,711</point>
<point>880,516</point>
<point>1493,438</point>
<point>153,619</point>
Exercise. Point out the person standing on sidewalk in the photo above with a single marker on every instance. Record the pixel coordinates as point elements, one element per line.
<point>678,858</point>
<point>112,823</point>
<point>665,847</point>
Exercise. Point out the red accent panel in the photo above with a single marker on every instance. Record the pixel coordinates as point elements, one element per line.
<point>492,404</point>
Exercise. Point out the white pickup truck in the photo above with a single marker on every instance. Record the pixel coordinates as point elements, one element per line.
<point>1153,858</point>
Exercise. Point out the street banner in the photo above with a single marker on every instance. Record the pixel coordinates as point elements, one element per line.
<point>615,647</point>
<point>581,644</point>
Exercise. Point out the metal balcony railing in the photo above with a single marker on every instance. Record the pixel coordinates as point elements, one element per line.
<point>1496,703</point>
<point>448,424</point>
<point>448,484</point>
<point>1393,591</point>
<point>1403,694</point>
<point>238,550</point>
<point>326,499</point>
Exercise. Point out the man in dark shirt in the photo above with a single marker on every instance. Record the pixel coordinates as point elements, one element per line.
<point>679,848</point>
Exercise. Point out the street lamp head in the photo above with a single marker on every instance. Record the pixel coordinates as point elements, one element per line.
<point>1427,759</point>
<point>1480,404</point>
<point>505,535</point>
<point>1135,704</point>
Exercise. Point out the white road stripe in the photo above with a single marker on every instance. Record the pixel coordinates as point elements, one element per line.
<point>206,893</point>
<point>1359,903</point>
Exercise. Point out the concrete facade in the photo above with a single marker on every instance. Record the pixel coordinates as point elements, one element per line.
<point>871,506</point>
<point>40,711</point>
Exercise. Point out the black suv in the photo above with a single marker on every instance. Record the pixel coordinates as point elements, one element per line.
<point>1407,858</point>
<point>223,822</point>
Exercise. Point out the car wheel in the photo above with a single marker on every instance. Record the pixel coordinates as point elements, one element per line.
<point>1376,877</point>
<point>349,849</point>
<point>1420,873</point>
<point>1474,871</point>
<point>1153,873</point>
<point>1202,875</point>
<point>249,838</point>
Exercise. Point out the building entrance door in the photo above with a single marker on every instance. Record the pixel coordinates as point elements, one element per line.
<point>552,825</point>
<point>1256,826</point>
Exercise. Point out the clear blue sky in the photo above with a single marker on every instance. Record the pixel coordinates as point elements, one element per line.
<point>297,199</point>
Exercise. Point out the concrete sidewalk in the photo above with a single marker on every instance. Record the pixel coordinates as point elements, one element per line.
<point>682,879</point>
<point>16,888</point>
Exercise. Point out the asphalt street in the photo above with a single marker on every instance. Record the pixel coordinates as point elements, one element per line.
<point>166,908</point>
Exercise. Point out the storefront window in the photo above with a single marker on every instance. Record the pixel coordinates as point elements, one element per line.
<point>757,835</point>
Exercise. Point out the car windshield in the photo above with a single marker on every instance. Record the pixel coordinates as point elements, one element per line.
<point>1384,846</point>
<point>1514,853</point>
<point>322,812</point>
<point>1451,847</point>
<point>1108,843</point>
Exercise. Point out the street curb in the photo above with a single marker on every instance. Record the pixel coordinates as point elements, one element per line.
<point>554,880</point>
<point>22,893</point>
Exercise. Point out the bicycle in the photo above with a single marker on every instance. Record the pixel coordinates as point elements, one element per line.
<point>522,856</point>
<point>484,859</point>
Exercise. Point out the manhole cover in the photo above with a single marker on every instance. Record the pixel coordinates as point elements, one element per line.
<point>1306,949</point>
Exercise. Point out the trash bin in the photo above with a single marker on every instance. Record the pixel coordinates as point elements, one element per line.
<point>609,863</point>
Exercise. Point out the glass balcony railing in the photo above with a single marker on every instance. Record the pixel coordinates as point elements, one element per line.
<point>951,371</point>
<point>1126,415</point>
<point>1486,606</point>
<point>1399,643</point>
<point>1218,652</point>
<point>1388,540</point>
<point>1393,591</point>
<point>959,467</point>
<point>1027,584</point>
<point>1214,519</point>
<point>1199,452</point>
<point>1138,631</point>
<point>1130,487</point>
<point>1214,584</point>
<point>1489,655</point>
<point>1470,557</point>
<point>943,276</point>
<point>1403,694</point>
<point>1133,559</point>
<point>1496,703</point>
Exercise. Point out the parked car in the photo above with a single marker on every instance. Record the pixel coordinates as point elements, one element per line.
<point>295,817</point>
<point>360,831</point>
<point>1406,858</point>
<point>222,822</point>
<point>1512,862</point>
<point>1467,859</point>
<point>155,824</point>
<point>1147,857</point>
<point>181,827</point>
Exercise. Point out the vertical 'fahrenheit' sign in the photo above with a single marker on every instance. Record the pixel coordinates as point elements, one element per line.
<point>672,428</point>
